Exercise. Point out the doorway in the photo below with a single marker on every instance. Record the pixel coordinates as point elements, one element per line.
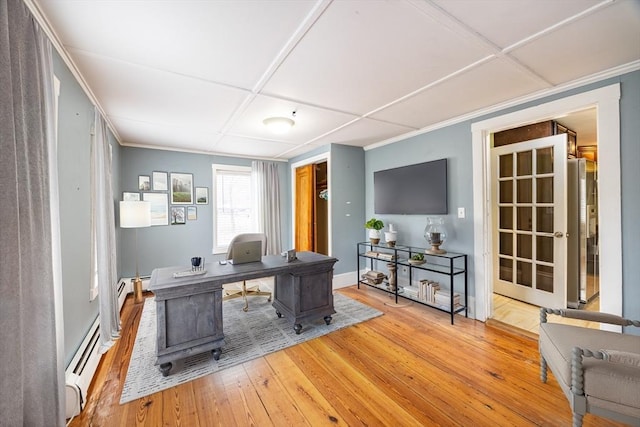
<point>606,100</point>
<point>311,206</point>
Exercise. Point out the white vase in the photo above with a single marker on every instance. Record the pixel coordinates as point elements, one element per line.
<point>390,237</point>
<point>374,236</point>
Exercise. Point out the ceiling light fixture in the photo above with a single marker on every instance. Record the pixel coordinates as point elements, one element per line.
<point>279,125</point>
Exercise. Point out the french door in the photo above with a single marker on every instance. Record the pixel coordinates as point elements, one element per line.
<point>529,220</point>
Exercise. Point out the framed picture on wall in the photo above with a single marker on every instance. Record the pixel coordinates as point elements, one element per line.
<point>177,215</point>
<point>144,183</point>
<point>202,195</point>
<point>159,181</point>
<point>129,196</point>
<point>159,207</point>
<point>181,188</point>
<point>192,213</point>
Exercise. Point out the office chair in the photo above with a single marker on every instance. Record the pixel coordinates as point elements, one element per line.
<point>235,290</point>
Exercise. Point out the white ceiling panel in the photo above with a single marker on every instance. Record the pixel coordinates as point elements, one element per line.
<point>364,132</point>
<point>218,40</point>
<point>488,84</point>
<point>505,22</point>
<point>165,135</point>
<point>203,74</point>
<point>309,121</point>
<point>596,42</point>
<point>363,54</point>
<point>298,151</point>
<point>248,147</point>
<point>152,96</point>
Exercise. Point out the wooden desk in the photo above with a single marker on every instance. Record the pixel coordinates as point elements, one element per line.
<point>189,309</point>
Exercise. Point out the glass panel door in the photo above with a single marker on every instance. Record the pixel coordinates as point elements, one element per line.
<point>530,220</point>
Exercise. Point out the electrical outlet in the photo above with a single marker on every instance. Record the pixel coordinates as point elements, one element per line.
<point>460,212</point>
<point>404,270</point>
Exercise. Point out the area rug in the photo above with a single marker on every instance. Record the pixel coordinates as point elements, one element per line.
<point>247,336</point>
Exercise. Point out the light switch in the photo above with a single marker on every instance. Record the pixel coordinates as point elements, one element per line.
<point>460,212</point>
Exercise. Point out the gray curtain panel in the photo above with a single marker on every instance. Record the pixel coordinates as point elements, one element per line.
<point>267,184</point>
<point>31,373</point>
<point>104,235</point>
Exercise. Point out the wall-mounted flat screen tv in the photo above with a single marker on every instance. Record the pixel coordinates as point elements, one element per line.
<point>413,189</point>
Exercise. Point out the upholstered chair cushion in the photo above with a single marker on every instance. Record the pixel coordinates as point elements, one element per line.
<point>607,382</point>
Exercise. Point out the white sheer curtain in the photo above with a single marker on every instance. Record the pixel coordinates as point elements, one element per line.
<point>267,195</point>
<point>103,266</point>
<point>32,368</point>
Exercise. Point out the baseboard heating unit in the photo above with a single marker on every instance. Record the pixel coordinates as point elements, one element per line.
<point>80,371</point>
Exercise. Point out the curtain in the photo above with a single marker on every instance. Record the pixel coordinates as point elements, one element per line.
<point>267,195</point>
<point>31,372</point>
<point>103,267</point>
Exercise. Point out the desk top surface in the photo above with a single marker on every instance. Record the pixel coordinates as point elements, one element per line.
<point>162,278</point>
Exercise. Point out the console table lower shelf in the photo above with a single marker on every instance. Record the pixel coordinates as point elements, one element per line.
<point>401,294</point>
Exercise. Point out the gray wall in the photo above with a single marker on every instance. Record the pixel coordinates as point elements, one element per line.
<point>75,121</point>
<point>454,143</point>
<point>167,245</point>
<point>630,171</point>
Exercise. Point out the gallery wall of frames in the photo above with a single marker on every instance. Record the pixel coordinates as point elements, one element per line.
<point>172,195</point>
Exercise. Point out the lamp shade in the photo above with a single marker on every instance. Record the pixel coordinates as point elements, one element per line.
<point>135,214</point>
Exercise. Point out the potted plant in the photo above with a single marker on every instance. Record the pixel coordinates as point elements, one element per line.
<point>374,226</point>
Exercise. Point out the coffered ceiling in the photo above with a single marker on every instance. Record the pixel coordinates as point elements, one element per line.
<point>203,75</point>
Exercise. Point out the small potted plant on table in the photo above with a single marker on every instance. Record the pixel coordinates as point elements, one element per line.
<point>374,226</point>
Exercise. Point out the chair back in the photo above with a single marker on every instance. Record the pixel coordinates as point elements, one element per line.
<point>248,237</point>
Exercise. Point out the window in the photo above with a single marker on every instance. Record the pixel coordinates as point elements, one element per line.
<point>232,204</point>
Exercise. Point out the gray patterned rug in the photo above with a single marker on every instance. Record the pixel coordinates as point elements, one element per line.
<point>247,336</point>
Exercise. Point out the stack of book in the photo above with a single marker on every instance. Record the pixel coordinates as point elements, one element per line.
<point>444,299</point>
<point>373,277</point>
<point>427,291</point>
<point>387,256</point>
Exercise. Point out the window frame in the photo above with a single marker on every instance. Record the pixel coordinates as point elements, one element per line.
<point>219,248</point>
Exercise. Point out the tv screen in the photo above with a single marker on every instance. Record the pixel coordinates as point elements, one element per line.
<point>413,189</point>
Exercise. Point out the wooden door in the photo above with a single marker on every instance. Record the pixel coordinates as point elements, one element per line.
<point>305,192</point>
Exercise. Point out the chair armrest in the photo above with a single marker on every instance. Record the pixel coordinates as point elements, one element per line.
<point>592,316</point>
<point>621,357</point>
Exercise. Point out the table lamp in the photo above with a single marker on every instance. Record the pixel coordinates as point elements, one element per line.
<point>135,215</point>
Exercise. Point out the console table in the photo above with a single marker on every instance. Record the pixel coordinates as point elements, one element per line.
<point>189,308</point>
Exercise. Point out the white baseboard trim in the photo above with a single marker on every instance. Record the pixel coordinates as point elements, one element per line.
<point>343,280</point>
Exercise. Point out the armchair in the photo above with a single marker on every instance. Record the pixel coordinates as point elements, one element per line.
<point>598,371</point>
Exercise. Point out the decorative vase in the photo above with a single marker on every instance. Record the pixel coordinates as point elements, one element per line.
<point>374,236</point>
<point>391,236</point>
<point>435,233</point>
<point>393,285</point>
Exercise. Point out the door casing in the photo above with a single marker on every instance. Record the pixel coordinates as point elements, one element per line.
<point>606,100</point>
<point>311,160</point>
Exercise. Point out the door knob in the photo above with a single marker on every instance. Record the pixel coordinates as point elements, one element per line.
<point>559,234</point>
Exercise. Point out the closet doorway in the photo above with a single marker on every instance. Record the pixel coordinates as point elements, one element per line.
<point>311,208</point>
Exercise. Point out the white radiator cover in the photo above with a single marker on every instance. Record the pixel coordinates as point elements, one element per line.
<point>80,371</point>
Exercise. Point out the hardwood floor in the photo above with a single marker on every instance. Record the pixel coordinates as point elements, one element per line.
<point>526,317</point>
<point>409,367</point>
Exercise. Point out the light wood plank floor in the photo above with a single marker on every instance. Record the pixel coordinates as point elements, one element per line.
<point>409,367</point>
<point>525,316</point>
